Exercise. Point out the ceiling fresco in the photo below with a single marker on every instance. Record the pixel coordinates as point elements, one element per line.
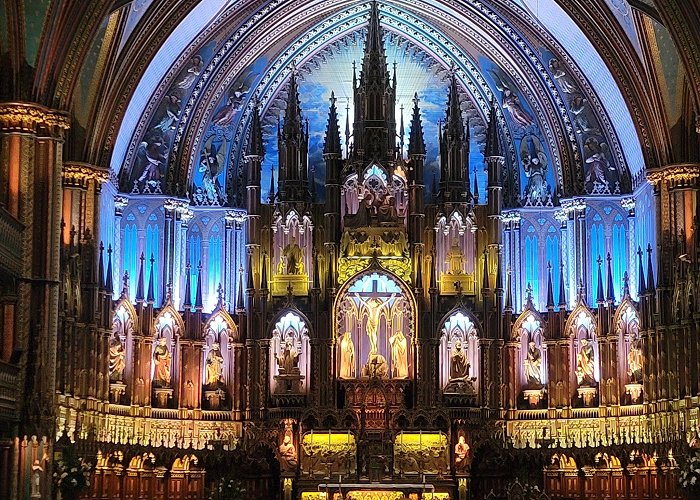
<point>553,122</point>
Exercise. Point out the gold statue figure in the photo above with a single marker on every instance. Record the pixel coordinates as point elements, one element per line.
<point>292,258</point>
<point>347,356</point>
<point>162,358</point>
<point>399,354</point>
<point>215,365</point>
<point>459,366</point>
<point>374,307</point>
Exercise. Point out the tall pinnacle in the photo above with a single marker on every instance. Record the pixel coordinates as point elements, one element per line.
<point>332,144</point>
<point>493,143</point>
<point>454,125</point>
<point>374,43</point>
<point>611,287</point>
<point>293,127</point>
<point>255,147</point>
<point>416,143</point>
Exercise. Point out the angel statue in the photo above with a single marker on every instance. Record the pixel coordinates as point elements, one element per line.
<point>535,166</point>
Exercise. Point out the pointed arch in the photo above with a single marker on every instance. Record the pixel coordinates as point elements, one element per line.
<point>290,352</point>
<point>460,331</point>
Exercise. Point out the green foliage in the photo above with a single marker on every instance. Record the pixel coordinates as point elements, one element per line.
<point>227,488</point>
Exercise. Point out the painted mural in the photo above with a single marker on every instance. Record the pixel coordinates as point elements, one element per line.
<point>537,182</point>
<point>209,177</point>
<point>600,175</point>
<point>331,71</point>
<point>151,157</point>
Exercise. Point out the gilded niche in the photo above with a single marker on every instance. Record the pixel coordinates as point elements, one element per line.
<point>328,454</point>
<point>389,246</point>
<point>421,453</point>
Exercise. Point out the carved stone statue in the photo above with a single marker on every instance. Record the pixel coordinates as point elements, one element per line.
<point>533,365</point>
<point>214,365</point>
<point>347,356</point>
<point>455,258</point>
<point>635,362</point>
<point>162,359</point>
<point>374,308</point>
<point>288,452</point>
<point>585,373</point>
<point>399,354</point>
<point>293,257</point>
<point>117,359</point>
<point>376,366</point>
<point>288,361</point>
<point>461,452</point>
<point>459,366</point>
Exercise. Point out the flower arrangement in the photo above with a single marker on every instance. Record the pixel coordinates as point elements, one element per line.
<point>71,474</point>
<point>689,477</point>
<point>227,488</point>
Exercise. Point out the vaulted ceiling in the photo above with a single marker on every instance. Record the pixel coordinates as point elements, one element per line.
<point>572,79</point>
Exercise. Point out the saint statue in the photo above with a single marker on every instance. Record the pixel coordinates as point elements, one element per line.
<point>455,258</point>
<point>459,366</point>
<point>288,361</point>
<point>461,452</point>
<point>288,452</point>
<point>535,168</point>
<point>162,358</point>
<point>347,356</point>
<point>533,365</point>
<point>214,365</point>
<point>374,308</point>
<point>117,359</point>
<point>399,358</point>
<point>634,362</point>
<point>293,257</point>
<point>585,364</point>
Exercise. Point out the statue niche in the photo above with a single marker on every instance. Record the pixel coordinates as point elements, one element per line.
<point>162,359</point>
<point>122,327</point>
<point>531,355</point>
<point>374,321</point>
<point>585,358</point>
<point>292,253</point>
<point>289,350</point>
<point>631,360</point>
<point>220,333</point>
<point>454,253</point>
<point>459,356</point>
<point>374,201</point>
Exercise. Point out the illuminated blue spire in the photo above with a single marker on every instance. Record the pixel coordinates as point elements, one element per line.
<point>151,294</point>
<point>139,282</point>
<point>101,269</point>
<point>188,288</point>
<point>641,284</point>
<point>109,285</point>
<point>611,286</point>
<point>651,287</point>
<point>562,289</point>
<point>600,298</point>
<point>198,303</point>
<point>550,289</point>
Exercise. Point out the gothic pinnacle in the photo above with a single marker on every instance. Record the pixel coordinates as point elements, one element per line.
<point>332,144</point>
<point>416,143</point>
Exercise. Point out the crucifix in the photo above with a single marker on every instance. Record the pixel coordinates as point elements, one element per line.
<point>375,303</point>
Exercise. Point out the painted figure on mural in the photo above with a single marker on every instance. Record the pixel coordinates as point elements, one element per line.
<point>215,365</point>
<point>117,358</point>
<point>288,360</point>
<point>459,365</point>
<point>347,356</point>
<point>211,165</point>
<point>511,101</point>
<point>149,165</point>
<point>562,78</point>
<point>598,166</point>
<point>162,359</point>
<point>399,354</point>
<point>635,362</point>
<point>194,69</point>
<point>292,258</point>
<point>455,258</point>
<point>535,166</point>
<point>374,308</point>
<point>533,365</point>
<point>225,115</point>
<point>585,364</point>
